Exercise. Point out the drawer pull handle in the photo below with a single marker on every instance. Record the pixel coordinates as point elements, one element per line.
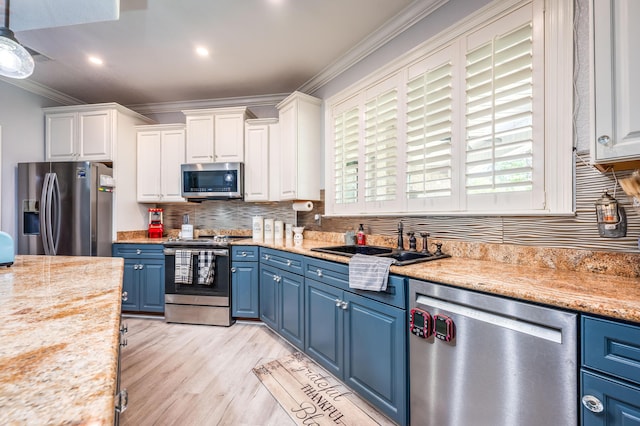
<point>592,404</point>
<point>319,272</point>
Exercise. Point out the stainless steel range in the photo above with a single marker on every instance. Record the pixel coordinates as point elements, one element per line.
<point>197,281</point>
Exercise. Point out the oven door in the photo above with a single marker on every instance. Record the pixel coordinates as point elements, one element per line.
<point>220,286</point>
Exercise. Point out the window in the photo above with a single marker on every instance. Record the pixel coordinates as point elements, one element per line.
<point>459,125</point>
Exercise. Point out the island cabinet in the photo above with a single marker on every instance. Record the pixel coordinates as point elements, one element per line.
<point>216,135</point>
<point>610,375</point>
<point>359,336</point>
<point>143,280</point>
<point>160,154</point>
<point>245,302</point>
<point>282,294</point>
<point>616,64</point>
<point>300,147</point>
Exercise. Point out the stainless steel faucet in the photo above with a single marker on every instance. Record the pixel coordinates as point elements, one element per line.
<point>400,238</point>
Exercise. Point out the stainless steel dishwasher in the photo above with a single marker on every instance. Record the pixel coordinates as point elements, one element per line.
<point>477,359</point>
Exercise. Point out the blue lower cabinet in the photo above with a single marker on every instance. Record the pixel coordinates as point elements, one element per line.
<point>324,324</point>
<point>362,342</point>
<point>620,401</point>
<point>245,291</point>
<point>610,376</point>
<point>375,354</point>
<point>143,279</point>
<point>282,303</point>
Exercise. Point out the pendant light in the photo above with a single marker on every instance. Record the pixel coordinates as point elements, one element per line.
<point>15,60</point>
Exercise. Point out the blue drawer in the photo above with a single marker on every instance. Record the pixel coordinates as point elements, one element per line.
<point>245,253</point>
<point>281,259</point>
<point>611,347</point>
<point>128,251</point>
<point>337,275</point>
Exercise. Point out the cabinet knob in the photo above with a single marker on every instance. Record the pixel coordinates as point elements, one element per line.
<point>125,296</point>
<point>266,257</point>
<point>278,279</point>
<point>592,404</point>
<point>123,342</point>
<point>338,303</point>
<point>140,266</point>
<point>243,254</point>
<point>233,270</point>
<point>135,267</point>
<point>138,251</point>
<point>319,272</point>
<point>344,305</point>
<point>122,401</point>
<point>288,263</point>
<point>275,278</point>
<point>604,140</point>
<point>124,329</point>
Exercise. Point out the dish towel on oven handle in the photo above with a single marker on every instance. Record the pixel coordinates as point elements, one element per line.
<point>206,267</point>
<point>369,272</point>
<point>183,268</point>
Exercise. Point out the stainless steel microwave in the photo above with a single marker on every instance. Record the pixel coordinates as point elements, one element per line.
<point>212,181</point>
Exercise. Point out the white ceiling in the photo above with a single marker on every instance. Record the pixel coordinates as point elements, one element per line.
<point>257,47</point>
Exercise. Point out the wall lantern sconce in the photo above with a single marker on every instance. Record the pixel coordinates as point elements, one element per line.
<point>612,219</point>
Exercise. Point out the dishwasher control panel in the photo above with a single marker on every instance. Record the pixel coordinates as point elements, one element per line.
<point>420,324</point>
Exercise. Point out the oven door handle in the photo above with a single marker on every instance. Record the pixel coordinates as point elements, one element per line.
<point>170,251</point>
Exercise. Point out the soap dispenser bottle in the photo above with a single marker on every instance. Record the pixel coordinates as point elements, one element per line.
<point>361,239</point>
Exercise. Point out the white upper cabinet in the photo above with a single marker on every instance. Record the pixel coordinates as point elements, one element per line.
<point>262,160</point>
<point>80,135</point>
<point>160,152</point>
<point>616,64</point>
<point>216,135</point>
<point>299,147</point>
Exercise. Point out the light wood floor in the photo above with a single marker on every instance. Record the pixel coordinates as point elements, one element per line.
<point>178,374</point>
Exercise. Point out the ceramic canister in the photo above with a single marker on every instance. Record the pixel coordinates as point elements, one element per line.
<point>278,231</point>
<point>258,233</point>
<point>268,230</point>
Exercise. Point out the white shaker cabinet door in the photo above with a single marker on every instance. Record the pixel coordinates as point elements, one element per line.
<point>617,87</point>
<point>95,135</point>
<point>200,139</point>
<point>149,151</point>
<point>173,152</point>
<point>229,138</point>
<point>288,152</point>
<point>256,170</point>
<point>60,138</point>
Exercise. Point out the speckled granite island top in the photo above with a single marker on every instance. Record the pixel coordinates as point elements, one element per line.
<point>59,326</point>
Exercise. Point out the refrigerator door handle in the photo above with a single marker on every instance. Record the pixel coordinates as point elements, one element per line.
<point>44,210</point>
<point>55,203</point>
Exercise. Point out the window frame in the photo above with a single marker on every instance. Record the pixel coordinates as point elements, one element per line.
<point>553,20</point>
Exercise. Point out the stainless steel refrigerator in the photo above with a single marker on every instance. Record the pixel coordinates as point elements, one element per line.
<point>65,208</point>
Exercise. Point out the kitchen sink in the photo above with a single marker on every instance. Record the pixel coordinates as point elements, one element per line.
<point>401,257</point>
<point>351,250</point>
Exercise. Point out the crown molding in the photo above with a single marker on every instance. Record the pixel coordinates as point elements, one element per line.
<point>44,91</point>
<point>413,13</point>
<point>178,106</point>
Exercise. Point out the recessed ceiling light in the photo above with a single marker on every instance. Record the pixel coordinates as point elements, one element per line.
<point>202,51</point>
<point>95,60</point>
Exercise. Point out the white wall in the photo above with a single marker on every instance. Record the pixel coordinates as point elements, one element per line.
<point>22,122</point>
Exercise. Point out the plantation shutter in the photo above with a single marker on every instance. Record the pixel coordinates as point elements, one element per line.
<point>502,160</point>
<point>429,164</point>
<point>381,146</point>
<point>346,138</point>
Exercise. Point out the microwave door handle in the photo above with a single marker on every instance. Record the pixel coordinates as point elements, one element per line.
<point>43,213</point>
<point>56,204</point>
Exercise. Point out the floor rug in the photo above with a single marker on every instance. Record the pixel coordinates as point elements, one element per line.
<point>311,396</point>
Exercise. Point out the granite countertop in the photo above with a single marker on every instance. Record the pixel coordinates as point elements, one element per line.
<point>59,338</point>
<point>603,294</point>
<point>607,295</point>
